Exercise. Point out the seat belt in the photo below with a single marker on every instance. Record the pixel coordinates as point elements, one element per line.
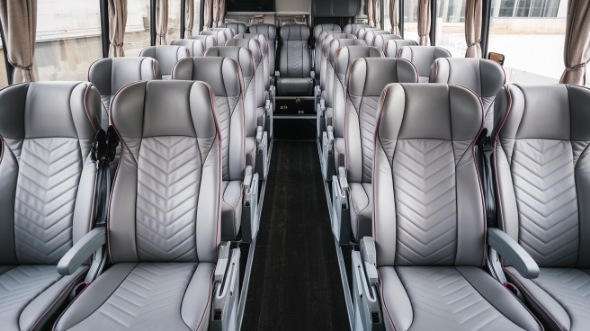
<point>103,152</point>
<point>484,163</point>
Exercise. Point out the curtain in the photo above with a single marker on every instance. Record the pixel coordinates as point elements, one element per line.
<point>577,42</point>
<point>215,13</point>
<point>208,14</point>
<point>189,17</point>
<point>221,12</point>
<point>19,22</point>
<point>473,21</point>
<point>394,16</point>
<point>424,22</point>
<point>117,23</point>
<point>161,21</point>
<point>371,12</point>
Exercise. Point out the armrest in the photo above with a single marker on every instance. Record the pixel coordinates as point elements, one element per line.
<point>330,133</point>
<point>268,107</point>
<point>369,257</point>
<point>222,261</point>
<point>82,250</point>
<point>513,253</point>
<point>259,134</point>
<point>312,74</point>
<point>226,292</point>
<point>248,177</point>
<point>277,74</point>
<point>342,178</point>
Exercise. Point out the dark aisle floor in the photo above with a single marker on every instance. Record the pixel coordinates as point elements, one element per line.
<point>295,282</point>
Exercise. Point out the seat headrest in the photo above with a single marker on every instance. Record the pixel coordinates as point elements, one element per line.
<point>222,73</point>
<point>208,40</point>
<point>369,76</point>
<point>240,54</point>
<point>318,29</point>
<point>294,32</point>
<point>393,46</point>
<point>252,44</point>
<point>363,32</point>
<point>345,55</point>
<point>355,27</point>
<point>166,55</point>
<point>262,39</point>
<point>194,46</point>
<point>111,74</point>
<point>339,43</point>
<point>334,36</point>
<point>423,57</point>
<point>238,27</point>
<point>371,35</point>
<point>50,110</point>
<point>269,30</point>
<point>484,77</point>
<point>382,39</point>
<point>220,36</point>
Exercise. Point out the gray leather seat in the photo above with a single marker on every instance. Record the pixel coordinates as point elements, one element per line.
<point>167,57</point>
<point>393,46</point>
<point>381,41</point>
<point>429,220</point>
<point>270,31</point>
<point>220,36</point>
<point>483,77</point>
<point>47,189</point>
<point>367,78</point>
<point>541,163</point>
<point>295,62</point>
<point>111,74</point>
<point>354,28</point>
<point>163,225</point>
<point>422,57</point>
<point>238,27</point>
<point>371,36</point>
<point>265,48</point>
<point>325,41</point>
<point>195,47</point>
<point>207,40</point>
<point>317,30</point>
<point>363,32</point>
<point>227,32</point>
<point>222,74</point>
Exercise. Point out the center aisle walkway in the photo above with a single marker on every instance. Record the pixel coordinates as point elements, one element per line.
<point>295,283</point>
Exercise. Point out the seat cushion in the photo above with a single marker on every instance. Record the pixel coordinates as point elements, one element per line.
<point>361,209</point>
<point>231,209</point>
<point>559,296</point>
<point>144,296</point>
<point>295,86</point>
<point>31,294</point>
<point>449,298</point>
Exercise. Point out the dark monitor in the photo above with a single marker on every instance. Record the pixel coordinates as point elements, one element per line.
<point>251,5</point>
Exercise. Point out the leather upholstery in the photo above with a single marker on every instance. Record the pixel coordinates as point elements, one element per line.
<point>195,47</point>
<point>163,246</point>
<point>224,77</point>
<point>423,57</point>
<point>207,40</point>
<point>541,166</point>
<point>111,74</point>
<point>267,57</point>
<point>393,46</point>
<point>429,220</point>
<point>167,57</point>
<point>371,35</point>
<point>317,30</point>
<point>220,36</point>
<point>270,31</point>
<point>329,50</point>
<point>381,41</point>
<point>363,32</point>
<point>354,28</point>
<point>295,61</point>
<point>366,80</point>
<point>47,189</point>
<point>227,32</point>
<point>238,27</point>
<point>483,77</point>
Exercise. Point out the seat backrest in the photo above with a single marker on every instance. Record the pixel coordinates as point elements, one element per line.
<point>484,77</point>
<point>207,40</point>
<point>428,203</point>
<point>381,41</point>
<point>328,68</point>
<point>372,34</point>
<point>224,77</point>
<point>363,32</point>
<point>170,145</point>
<point>366,79</point>
<point>244,58</point>
<point>295,60</point>
<point>541,140</point>
<point>238,27</point>
<point>195,47</point>
<point>46,174</point>
<point>423,57</point>
<point>393,46</point>
<point>228,33</point>
<point>317,31</point>
<point>266,54</point>
<point>254,47</point>
<point>167,57</point>
<point>220,36</point>
<point>111,74</point>
<point>269,30</point>
<point>354,28</point>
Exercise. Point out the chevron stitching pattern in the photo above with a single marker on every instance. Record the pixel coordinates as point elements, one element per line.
<point>445,296</point>
<point>295,53</point>
<point>47,185</point>
<point>544,182</point>
<point>571,288</point>
<point>167,194</point>
<point>20,285</point>
<point>424,185</point>
<point>368,119</point>
<point>151,294</point>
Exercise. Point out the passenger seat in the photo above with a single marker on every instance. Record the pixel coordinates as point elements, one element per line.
<point>238,27</point>
<point>295,62</point>
<point>381,41</point>
<point>422,57</point>
<point>270,31</point>
<point>393,46</point>
<point>354,28</point>
<point>207,40</point>
<point>167,57</point>
<point>195,47</point>
<point>220,36</point>
<point>317,30</point>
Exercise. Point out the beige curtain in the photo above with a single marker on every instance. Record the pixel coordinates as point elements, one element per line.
<point>19,22</point>
<point>371,11</point>
<point>473,21</point>
<point>424,22</point>
<point>577,42</point>
<point>189,17</point>
<point>117,23</point>
<point>394,16</point>
<point>161,22</point>
<point>220,12</point>
<point>215,13</point>
<point>208,14</point>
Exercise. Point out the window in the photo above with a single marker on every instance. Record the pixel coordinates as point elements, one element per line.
<point>411,19</point>
<point>173,20</point>
<point>386,19</point>
<point>68,38</point>
<point>450,23</point>
<point>532,45</point>
<point>137,31</point>
<point>3,77</point>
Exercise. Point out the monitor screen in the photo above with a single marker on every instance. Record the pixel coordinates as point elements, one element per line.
<point>251,5</point>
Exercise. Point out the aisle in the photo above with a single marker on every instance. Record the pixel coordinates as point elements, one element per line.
<point>295,283</point>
